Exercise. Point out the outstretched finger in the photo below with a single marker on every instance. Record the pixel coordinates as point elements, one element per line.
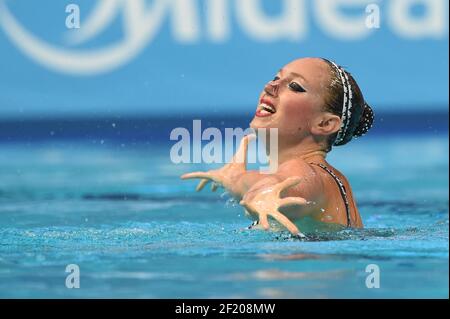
<point>247,208</point>
<point>241,154</point>
<point>214,186</point>
<point>292,201</point>
<point>202,184</point>
<point>244,204</point>
<point>287,183</point>
<point>196,175</point>
<point>263,221</point>
<point>283,220</point>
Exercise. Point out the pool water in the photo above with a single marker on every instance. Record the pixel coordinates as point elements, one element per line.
<point>122,215</point>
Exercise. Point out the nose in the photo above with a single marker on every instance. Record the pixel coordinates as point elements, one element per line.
<point>271,88</point>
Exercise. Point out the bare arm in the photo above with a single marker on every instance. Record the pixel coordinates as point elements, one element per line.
<point>263,195</point>
<point>233,176</point>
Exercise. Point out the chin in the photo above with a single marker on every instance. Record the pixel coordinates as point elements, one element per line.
<point>258,122</point>
<point>255,125</point>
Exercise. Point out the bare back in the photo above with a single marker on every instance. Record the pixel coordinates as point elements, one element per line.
<point>337,204</point>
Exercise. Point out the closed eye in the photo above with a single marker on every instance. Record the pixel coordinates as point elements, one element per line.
<point>296,87</point>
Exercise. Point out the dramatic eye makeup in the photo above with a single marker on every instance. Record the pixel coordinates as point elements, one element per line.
<point>296,87</point>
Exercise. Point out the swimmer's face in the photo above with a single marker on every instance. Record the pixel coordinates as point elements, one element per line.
<point>293,101</point>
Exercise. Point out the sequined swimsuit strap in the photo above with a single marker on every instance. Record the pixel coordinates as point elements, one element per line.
<point>342,190</point>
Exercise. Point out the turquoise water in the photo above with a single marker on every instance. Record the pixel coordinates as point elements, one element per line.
<point>135,230</point>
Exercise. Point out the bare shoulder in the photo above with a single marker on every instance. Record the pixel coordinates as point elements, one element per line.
<point>311,181</point>
<point>337,172</point>
<point>296,167</point>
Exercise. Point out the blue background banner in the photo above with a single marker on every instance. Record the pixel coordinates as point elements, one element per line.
<point>212,57</point>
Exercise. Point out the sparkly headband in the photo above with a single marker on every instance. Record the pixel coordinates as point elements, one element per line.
<point>347,104</point>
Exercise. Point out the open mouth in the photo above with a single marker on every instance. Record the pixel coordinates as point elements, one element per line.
<point>265,108</point>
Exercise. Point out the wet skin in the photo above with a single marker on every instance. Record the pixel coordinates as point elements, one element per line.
<point>293,102</point>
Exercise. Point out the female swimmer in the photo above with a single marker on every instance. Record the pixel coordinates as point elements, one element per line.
<point>315,104</point>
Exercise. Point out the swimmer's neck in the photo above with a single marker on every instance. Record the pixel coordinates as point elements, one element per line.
<point>310,152</point>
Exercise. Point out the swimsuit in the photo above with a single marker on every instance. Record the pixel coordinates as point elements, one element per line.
<point>342,190</point>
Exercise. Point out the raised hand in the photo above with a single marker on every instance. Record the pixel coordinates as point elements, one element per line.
<point>266,202</point>
<point>226,175</point>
